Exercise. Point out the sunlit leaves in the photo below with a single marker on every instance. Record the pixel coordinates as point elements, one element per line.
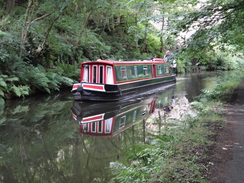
<point>222,20</point>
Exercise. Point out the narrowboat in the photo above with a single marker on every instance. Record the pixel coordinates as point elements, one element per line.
<point>106,120</point>
<point>112,80</point>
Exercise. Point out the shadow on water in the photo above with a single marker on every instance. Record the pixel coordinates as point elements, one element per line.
<point>109,119</point>
<point>41,142</point>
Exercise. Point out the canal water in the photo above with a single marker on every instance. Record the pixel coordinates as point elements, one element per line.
<point>53,139</point>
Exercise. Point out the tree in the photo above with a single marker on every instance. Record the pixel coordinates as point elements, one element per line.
<point>10,6</point>
<point>35,12</point>
<point>221,22</point>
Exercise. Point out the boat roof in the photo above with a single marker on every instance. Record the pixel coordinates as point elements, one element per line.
<point>112,62</point>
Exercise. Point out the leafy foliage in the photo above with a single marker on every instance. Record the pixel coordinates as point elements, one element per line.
<point>164,158</point>
<point>8,86</point>
<point>223,90</point>
<point>179,152</point>
<point>59,35</point>
<point>215,23</point>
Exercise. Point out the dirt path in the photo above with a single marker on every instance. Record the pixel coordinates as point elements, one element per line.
<point>228,155</point>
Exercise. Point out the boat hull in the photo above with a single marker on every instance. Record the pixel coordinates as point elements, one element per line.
<point>110,93</point>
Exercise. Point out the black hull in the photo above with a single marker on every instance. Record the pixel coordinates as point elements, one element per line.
<point>138,88</point>
<point>121,91</point>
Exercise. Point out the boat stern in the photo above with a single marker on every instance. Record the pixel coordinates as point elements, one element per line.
<point>95,92</point>
<point>76,91</point>
<point>75,86</point>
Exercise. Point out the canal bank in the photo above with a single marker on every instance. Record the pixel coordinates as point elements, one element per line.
<point>41,137</point>
<point>227,157</point>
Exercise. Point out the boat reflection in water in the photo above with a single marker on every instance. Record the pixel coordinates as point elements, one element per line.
<point>109,119</point>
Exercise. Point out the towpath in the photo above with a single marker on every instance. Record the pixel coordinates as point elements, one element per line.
<point>228,155</point>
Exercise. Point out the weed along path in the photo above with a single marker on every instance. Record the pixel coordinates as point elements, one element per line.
<point>228,154</point>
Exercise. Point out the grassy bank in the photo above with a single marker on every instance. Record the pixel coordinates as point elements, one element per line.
<point>180,152</point>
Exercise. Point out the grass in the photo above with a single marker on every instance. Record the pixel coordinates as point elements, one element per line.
<point>180,152</point>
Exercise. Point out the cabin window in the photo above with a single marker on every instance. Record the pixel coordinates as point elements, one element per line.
<point>129,72</point>
<point>159,104</point>
<point>134,116</point>
<point>109,78</point>
<point>166,69</point>
<point>94,78</point>
<point>159,69</point>
<point>145,70</point>
<point>101,74</point>
<point>122,122</point>
<point>86,74</point>
<point>123,72</point>
<point>85,127</point>
<point>100,125</point>
<point>108,125</point>
<point>93,127</point>
<point>135,70</point>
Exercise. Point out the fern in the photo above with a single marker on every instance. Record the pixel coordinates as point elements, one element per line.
<point>54,80</point>
<point>66,70</point>
<point>1,105</point>
<point>33,77</point>
<point>12,79</point>
<point>3,83</point>
<point>7,85</point>
<point>67,81</point>
<point>1,92</point>
<point>20,90</point>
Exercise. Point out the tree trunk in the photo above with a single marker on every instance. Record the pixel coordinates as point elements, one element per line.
<point>27,24</point>
<point>144,46</point>
<point>161,37</point>
<point>83,28</point>
<point>136,39</point>
<point>10,6</point>
<point>41,46</point>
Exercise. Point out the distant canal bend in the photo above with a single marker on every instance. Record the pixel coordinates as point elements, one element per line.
<point>53,139</point>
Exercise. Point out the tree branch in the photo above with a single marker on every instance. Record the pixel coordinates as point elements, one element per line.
<point>40,18</point>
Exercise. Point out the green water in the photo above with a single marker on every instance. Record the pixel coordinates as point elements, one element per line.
<point>40,141</point>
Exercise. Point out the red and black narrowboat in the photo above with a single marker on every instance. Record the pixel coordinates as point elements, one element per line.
<point>104,119</point>
<point>113,80</point>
